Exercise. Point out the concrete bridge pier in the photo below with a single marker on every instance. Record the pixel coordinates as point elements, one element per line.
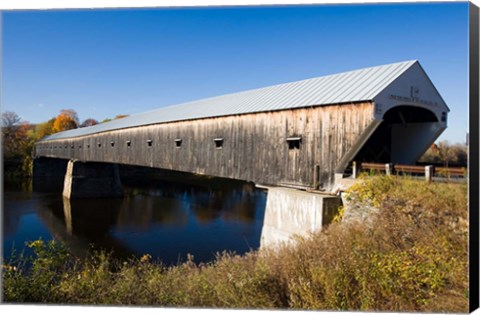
<point>291,212</point>
<point>91,180</point>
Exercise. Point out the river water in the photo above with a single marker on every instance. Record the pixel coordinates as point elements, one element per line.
<point>166,215</point>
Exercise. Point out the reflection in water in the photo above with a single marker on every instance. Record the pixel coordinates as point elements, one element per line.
<point>165,217</point>
<point>67,212</point>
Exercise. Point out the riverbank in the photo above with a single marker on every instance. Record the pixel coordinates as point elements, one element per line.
<point>411,255</point>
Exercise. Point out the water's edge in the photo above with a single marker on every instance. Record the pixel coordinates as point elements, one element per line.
<point>162,214</point>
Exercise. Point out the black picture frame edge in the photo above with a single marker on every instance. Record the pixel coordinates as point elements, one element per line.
<point>473,144</point>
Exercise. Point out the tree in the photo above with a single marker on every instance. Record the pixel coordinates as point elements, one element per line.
<point>88,122</point>
<point>45,129</point>
<point>10,119</point>
<point>461,154</point>
<point>116,117</point>
<point>25,147</point>
<point>64,122</point>
<point>72,114</point>
<point>18,140</point>
<point>12,134</point>
<point>446,152</point>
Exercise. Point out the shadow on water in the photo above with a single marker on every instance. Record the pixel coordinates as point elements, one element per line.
<point>50,184</point>
<point>164,214</point>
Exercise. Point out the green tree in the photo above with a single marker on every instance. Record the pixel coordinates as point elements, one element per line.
<point>44,129</point>
<point>17,142</point>
<point>11,133</point>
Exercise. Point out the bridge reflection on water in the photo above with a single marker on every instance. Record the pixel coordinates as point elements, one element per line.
<point>166,215</point>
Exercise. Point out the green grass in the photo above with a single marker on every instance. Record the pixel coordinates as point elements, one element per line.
<point>412,257</point>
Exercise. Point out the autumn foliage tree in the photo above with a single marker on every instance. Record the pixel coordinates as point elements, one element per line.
<point>45,129</point>
<point>72,114</point>
<point>66,120</point>
<point>120,116</point>
<point>89,122</point>
<point>19,137</point>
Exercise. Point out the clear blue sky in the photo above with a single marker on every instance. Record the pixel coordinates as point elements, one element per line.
<point>120,61</point>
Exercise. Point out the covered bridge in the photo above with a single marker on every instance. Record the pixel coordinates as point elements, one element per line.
<point>275,135</point>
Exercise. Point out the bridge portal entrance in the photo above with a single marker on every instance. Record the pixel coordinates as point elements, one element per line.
<point>402,137</point>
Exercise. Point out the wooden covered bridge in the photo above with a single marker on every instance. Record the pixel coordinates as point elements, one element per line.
<point>296,134</point>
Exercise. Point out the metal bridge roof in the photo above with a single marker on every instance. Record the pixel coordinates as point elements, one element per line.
<point>352,86</point>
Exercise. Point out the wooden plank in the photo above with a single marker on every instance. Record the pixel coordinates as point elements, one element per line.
<point>457,171</point>
<point>410,168</point>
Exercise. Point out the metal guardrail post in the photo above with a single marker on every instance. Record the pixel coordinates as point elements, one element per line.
<point>355,169</point>
<point>389,169</point>
<point>429,169</point>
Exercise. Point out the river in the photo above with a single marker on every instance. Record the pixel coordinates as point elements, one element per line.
<point>165,215</point>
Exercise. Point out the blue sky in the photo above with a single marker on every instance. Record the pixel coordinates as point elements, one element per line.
<point>123,61</point>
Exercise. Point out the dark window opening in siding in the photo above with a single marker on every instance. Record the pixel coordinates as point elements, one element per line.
<point>99,144</point>
<point>129,143</point>
<point>149,142</point>
<point>294,143</point>
<point>218,143</point>
<point>444,116</point>
<point>88,146</point>
<point>73,146</point>
<point>178,143</point>
<point>112,144</point>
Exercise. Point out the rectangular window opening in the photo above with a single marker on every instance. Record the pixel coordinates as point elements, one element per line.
<point>129,143</point>
<point>112,144</point>
<point>294,143</point>
<point>149,142</point>
<point>178,143</point>
<point>218,143</point>
<point>99,144</point>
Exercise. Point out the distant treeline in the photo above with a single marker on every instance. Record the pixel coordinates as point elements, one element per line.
<point>445,154</point>
<point>19,137</point>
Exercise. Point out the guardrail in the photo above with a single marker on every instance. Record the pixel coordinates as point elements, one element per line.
<point>429,171</point>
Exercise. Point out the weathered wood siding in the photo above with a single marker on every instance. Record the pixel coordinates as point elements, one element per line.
<point>254,147</point>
